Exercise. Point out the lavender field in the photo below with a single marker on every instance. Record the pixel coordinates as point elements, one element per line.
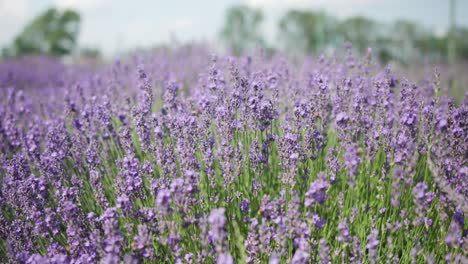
<point>182,156</point>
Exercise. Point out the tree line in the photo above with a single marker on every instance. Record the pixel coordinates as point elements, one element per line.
<point>313,32</point>
<point>55,33</point>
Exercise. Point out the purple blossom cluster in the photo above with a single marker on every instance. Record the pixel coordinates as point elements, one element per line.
<point>185,157</point>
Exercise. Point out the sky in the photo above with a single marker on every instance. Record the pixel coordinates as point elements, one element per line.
<point>116,26</point>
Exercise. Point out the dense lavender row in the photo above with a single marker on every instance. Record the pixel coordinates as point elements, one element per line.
<point>184,157</point>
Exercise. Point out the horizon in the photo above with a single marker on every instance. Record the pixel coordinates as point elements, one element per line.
<point>128,26</point>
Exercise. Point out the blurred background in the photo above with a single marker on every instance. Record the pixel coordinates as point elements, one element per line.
<point>407,31</point>
<point>399,32</point>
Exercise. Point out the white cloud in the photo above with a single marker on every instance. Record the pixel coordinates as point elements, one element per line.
<point>340,8</point>
<point>276,3</point>
<point>14,9</point>
<point>13,15</point>
<point>182,23</point>
<point>306,3</point>
<point>80,4</point>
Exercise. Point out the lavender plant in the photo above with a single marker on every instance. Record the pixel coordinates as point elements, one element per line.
<point>182,157</point>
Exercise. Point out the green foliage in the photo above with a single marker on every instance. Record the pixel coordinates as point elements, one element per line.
<point>307,31</point>
<point>90,53</point>
<point>314,31</point>
<point>371,194</point>
<point>241,31</point>
<point>360,31</point>
<point>461,41</point>
<point>54,33</point>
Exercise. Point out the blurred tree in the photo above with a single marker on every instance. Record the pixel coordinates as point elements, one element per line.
<point>405,35</point>
<point>451,42</point>
<point>405,41</point>
<point>432,47</point>
<point>308,31</point>
<point>460,36</point>
<point>362,32</point>
<point>7,52</point>
<point>241,31</point>
<point>90,53</point>
<point>53,32</point>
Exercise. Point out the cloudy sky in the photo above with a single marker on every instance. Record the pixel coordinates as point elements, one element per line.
<point>119,25</point>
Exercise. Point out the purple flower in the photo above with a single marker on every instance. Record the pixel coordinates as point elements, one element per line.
<point>217,220</point>
<point>454,235</point>
<point>422,200</point>
<point>245,205</point>
<point>372,245</point>
<point>300,257</point>
<point>324,252</point>
<point>225,259</point>
<point>352,161</point>
<point>142,242</point>
<point>163,198</point>
<point>274,259</point>
<point>459,218</point>
<point>344,232</point>
<point>342,118</point>
<point>317,191</point>
<point>124,203</point>
<point>318,221</point>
